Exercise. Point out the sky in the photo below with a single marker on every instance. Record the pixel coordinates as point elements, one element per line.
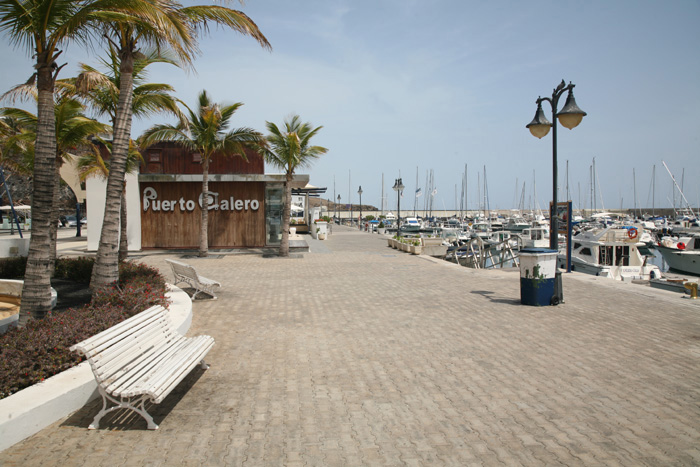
<point>404,87</point>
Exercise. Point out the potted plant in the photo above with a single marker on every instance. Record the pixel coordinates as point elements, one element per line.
<point>381,229</point>
<point>416,247</point>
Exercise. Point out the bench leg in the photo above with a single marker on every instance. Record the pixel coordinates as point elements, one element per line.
<point>123,404</point>
<point>208,292</point>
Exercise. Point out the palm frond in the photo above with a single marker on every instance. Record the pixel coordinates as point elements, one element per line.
<point>202,15</point>
<point>20,93</point>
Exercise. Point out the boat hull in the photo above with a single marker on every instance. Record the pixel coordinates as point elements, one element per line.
<point>614,272</point>
<point>680,260</point>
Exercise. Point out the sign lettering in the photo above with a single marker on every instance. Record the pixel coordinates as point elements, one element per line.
<point>151,201</point>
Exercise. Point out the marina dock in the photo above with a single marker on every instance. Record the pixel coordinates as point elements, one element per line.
<point>356,354</point>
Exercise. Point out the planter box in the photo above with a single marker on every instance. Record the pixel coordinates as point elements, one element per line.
<point>416,250</point>
<point>431,241</point>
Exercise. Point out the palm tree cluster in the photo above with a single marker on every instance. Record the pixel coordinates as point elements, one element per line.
<point>42,29</point>
<point>135,34</point>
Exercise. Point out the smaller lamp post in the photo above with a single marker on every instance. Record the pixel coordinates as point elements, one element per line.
<point>359,192</point>
<point>337,211</point>
<point>398,187</point>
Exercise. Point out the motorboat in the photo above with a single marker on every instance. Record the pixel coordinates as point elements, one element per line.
<point>535,237</point>
<point>616,252</point>
<point>411,224</point>
<point>481,229</point>
<point>516,224</point>
<point>682,254</point>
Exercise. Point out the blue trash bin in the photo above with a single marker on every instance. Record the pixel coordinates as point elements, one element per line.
<point>538,268</point>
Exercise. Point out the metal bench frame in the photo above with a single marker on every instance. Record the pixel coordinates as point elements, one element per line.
<point>141,359</point>
<point>189,275</point>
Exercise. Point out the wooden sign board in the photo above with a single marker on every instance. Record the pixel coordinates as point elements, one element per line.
<point>171,215</point>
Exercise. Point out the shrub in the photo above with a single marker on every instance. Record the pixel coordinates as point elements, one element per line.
<point>74,269</point>
<point>369,218</point>
<point>13,268</point>
<point>40,349</point>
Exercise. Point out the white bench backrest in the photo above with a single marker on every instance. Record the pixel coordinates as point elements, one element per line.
<point>184,269</point>
<point>109,351</point>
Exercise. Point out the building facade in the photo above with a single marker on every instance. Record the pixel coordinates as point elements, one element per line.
<point>245,204</point>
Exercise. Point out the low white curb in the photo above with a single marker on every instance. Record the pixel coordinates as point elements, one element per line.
<point>32,409</point>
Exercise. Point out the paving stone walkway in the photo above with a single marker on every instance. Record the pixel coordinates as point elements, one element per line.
<point>357,354</point>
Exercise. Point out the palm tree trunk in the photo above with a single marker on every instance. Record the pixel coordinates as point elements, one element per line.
<point>106,269</point>
<point>123,239</point>
<point>204,233</point>
<point>54,218</point>
<point>284,243</point>
<point>36,292</point>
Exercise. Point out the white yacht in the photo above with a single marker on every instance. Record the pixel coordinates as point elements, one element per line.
<point>614,252</point>
<point>682,255</point>
<point>411,224</point>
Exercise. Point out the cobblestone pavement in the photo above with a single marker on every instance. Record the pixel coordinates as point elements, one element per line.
<point>357,354</point>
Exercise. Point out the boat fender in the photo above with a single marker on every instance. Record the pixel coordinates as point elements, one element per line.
<point>652,274</point>
<point>632,233</point>
<point>680,246</point>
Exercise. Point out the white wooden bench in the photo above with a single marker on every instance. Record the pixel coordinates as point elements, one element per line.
<point>141,359</point>
<point>189,275</point>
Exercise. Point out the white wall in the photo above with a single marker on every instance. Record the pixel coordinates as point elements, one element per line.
<point>96,188</point>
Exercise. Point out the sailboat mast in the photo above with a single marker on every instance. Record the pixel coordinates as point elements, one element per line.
<point>568,194</point>
<point>653,190</point>
<point>382,193</point>
<point>466,192</point>
<point>634,184</point>
<point>415,197</point>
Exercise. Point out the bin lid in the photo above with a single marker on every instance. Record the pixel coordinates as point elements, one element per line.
<point>536,251</point>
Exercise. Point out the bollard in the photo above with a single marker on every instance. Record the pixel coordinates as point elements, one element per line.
<point>693,287</point>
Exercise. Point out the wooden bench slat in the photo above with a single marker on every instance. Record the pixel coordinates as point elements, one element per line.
<point>98,339</point>
<point>194,361</point>
<point>168,377</point>
<point>152,363</point>
<point>126,350</point>
<point>138,368</point>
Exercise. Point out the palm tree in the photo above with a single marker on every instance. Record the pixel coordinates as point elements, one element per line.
<point>165,26</point>
<point>72,131</point>
<point>101,92</point>
<point>42,28</point>
<point>92,164</point>
<point>290,150</point>
<point>205,132</point>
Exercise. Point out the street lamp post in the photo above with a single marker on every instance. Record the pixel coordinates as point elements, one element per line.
<point>569,116</point>
<point>359,192</point>
<point>337,211</point>
<point>398,188</point>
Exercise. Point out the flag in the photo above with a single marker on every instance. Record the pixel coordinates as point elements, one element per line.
<point>419,193</point>
<point>434,192</point>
